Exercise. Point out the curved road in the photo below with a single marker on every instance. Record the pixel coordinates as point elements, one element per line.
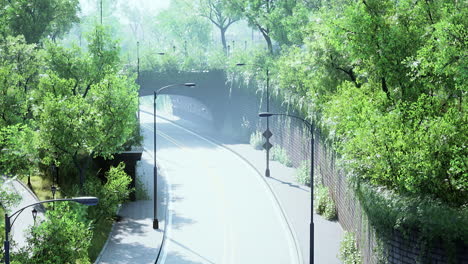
<point>219,210</point>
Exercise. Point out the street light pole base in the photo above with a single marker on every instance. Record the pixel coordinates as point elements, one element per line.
<point>155,224</point>
<point>267,173</point>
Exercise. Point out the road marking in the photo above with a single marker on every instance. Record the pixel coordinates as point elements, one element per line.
<point>294,250</point>
<point>228,255</point>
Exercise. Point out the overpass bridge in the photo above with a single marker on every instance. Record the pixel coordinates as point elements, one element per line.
<point>211,89</point>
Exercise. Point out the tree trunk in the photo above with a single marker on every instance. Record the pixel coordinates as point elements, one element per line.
<point>267,39</point>
<point>385,88</point>
<point>223,39</point>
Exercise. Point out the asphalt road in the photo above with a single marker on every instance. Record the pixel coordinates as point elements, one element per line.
<point>219,210</point>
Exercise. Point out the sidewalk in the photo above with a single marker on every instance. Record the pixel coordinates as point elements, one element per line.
<point>25,219</point>
<point>133,239</point>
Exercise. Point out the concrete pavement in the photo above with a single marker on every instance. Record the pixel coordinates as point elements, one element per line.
<point>134,241</point>
<point>293,197</point>
<point>25,219</point>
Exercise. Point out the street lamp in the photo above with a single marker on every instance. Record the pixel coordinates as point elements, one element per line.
<point>155,170</point>
<point>9,224</point>
<point>311,130</point>
<point>267,134</point>
<point>53,189</point>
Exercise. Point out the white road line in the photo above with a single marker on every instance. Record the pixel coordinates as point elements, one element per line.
<point>292,244</point>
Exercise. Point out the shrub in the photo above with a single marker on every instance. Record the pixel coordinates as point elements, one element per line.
<point>141,192</point>
<point>113,193</point>
<point>349,253</point>
<point>324,204</point>
<point>279,154</point>
<point>64,237</point>
<point>303,173</point>
<point>257,140</point>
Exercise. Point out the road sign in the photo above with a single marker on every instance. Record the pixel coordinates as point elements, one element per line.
<point>267,134</point>
<point>267,145</point>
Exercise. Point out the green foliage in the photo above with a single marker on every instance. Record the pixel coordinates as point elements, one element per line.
<point>349,252</point>
<point>425,217</point>
<point>39,19</point>
<point>257,140</point>
<point>181,34</point>
<point>303,173</point>
<point>17,148</point>
<point>111,194</point>
<point>216,12</point>
<point>276,20</point>
<point>279,154</point>
<point>63,237</point>
<point>141,192</point>
<point>84,105</point>
<point>7,198</point>
<point>415,147</point>
<point>19,74</point>
<point>323,202</point>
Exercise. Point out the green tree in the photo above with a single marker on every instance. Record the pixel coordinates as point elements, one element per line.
<point>187,31</point>
<point>272,18</point>
<point>85,107</point>
<point>63,237</point>
<point>216,11</point>
<point>38,19</point>
<point>20,66</point>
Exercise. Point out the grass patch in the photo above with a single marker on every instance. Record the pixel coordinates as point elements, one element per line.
<point>102,229</point>
<point>2,216</point>
<point>257,140</point>
<point>279,154</point>
<point>41,187</point>
<point>324,204</point>
<point>303,173</point>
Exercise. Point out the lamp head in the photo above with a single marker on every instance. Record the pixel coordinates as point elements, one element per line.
<point>34,213</point>
<point>86,200</point>
<point>190,84</point>
<point>241,64</point>
<point>265,114</point>
<point>161,53</point>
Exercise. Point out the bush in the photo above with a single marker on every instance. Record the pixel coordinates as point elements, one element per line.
<point>279,154</point>
<point>430,219</point>
<point>324,204</point>
<point>349,253</point>
<point>257,140</point>
<point>64,237</point>
<point>303,173</point>
<point>141,192</point>
<point>113,193</point>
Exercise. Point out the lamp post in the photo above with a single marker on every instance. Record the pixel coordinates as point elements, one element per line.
<point>267,134</point>
<point>8,223</point>
<point>155,169</point>
<point>311,130</point>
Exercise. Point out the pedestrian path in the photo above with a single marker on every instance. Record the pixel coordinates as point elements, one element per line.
<point>133,239</point>
<point>25,219</point>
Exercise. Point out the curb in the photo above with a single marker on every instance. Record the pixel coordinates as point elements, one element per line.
<point>32,193</point>
<point>98,258</point>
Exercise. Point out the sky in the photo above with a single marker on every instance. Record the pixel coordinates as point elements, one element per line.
<point>150,5</point>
